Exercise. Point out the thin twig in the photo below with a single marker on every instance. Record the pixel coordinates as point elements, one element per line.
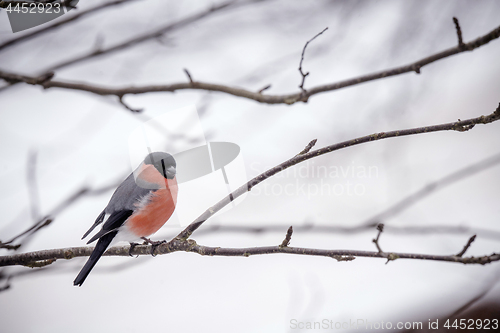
<point>188,75</point>
<point>459,33</point>
<point>466,247</point>
<point>256,96</point>
<point>380,228</point>
<point>263,89</point>
<point>288,237</point>
<point>301,86</point>
<point>122,102</point>
<point>9,247</point>
<point>455,126</point>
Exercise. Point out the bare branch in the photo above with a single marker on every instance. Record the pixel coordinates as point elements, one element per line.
<point>466,247</point>
<point>455,126</point>
<point>190,245</point>
<point>59,23</point>
<point>301,86</point>
<point>256,96</point>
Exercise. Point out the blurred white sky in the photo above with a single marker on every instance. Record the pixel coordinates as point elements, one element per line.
<point>83,139</point>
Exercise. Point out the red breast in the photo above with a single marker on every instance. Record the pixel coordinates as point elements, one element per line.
<point>157,208</point>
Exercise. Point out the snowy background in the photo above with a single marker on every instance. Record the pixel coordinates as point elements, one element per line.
<point>81,139</point>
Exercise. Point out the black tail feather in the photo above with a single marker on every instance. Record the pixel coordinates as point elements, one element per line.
<point>99,249</point>
<point>98,221</point>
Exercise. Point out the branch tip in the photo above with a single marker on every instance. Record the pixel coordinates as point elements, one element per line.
<point>466,247</point>
<point>188,75</point>
<point>301,86</point>
<point>309,146</point>
<point>9,247</point>
<point>461,44</point>
<point>122,102</point>
<point>380,228</point>
<point>288,237</point>
<point>265,88</point>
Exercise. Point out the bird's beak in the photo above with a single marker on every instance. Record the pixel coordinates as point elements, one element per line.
<point>171,172</point>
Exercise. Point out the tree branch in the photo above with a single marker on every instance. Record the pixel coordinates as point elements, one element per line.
<point>455,126</point>
<point>45,257</point>
<point>59,23</point>
<point>239,92</point>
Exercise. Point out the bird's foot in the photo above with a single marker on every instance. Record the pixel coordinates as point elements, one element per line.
<point>132,247</point>
<point>154,244</point>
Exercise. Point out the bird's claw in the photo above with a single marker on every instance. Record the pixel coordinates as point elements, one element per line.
<point>132,247</point>
<point>154,244</point>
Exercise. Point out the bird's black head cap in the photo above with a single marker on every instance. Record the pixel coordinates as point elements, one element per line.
<point>163,162</point>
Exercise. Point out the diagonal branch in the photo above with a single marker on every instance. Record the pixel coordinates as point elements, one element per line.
<point>59,23</point>
<point>239,92</point>
<point>461,125</point>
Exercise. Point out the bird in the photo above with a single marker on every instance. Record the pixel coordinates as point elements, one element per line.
<point>138,208</point>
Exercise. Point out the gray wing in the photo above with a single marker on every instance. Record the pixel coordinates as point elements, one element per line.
<point>126,195</point>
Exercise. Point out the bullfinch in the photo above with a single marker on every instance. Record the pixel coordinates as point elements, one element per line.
<point>139,207</point>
